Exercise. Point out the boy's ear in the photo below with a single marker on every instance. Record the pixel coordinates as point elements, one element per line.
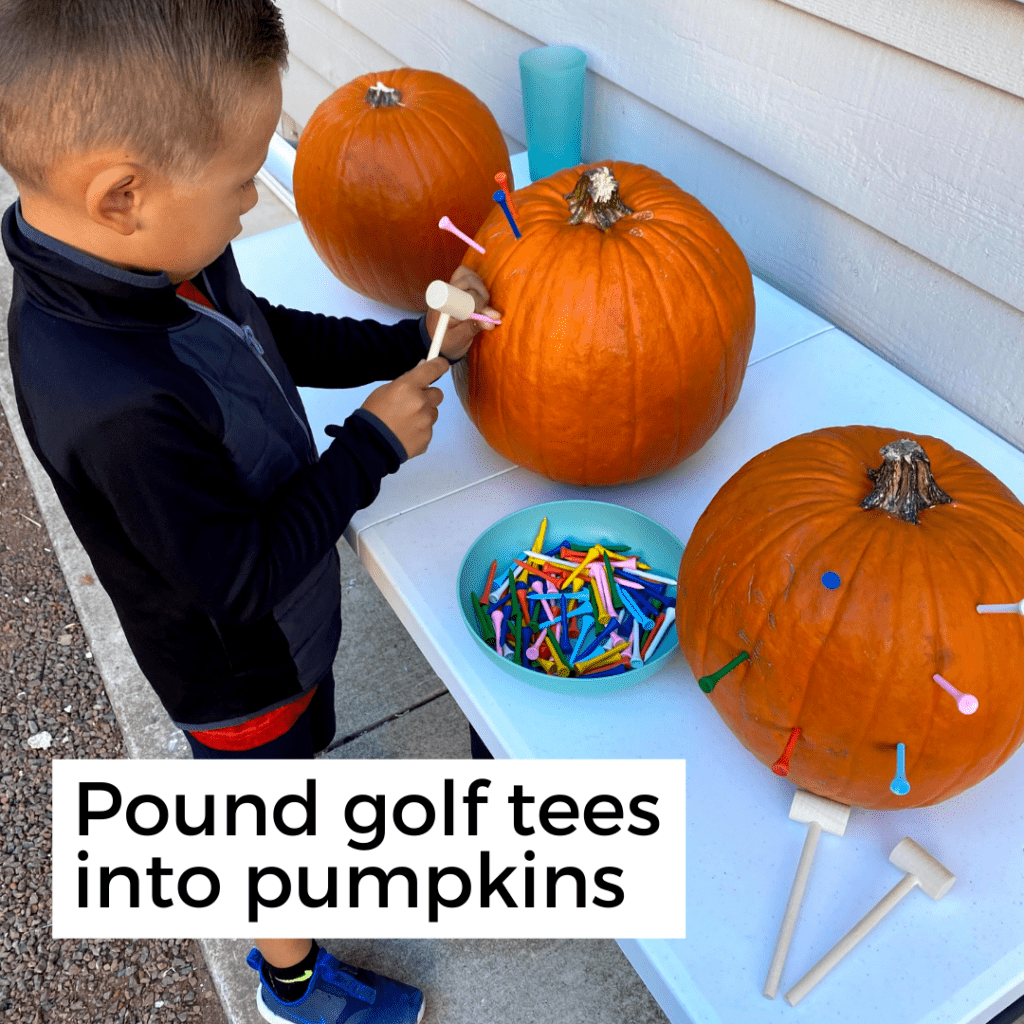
<point>112,197</point>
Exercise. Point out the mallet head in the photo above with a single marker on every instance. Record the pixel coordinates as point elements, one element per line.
<point>829,814</point>
<point>935,879</point>
<point>446,298</point>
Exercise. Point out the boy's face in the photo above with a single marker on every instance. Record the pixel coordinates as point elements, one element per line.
<point>113,206</point>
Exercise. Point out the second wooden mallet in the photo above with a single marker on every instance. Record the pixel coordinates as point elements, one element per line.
<point>818,813</point>
<point>921,868</point>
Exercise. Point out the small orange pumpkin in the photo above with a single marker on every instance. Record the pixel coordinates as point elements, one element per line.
<point>627,320</point>
<point>379,163</point>
<point>847,604</point>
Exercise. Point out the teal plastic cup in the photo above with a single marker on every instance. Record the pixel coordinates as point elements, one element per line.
<point>552,79</point>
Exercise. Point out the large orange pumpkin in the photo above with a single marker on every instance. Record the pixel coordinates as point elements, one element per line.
<point>379,163</point>
<point>628,316</point>
<point>851,579</point>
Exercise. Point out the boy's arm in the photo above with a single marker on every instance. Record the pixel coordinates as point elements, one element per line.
<point>324,351</point>
<point>176,496</point>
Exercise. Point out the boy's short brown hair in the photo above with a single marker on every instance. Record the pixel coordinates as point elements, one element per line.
<point>160,77</point>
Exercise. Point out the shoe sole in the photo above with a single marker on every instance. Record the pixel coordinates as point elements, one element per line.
<point>272,1018</point>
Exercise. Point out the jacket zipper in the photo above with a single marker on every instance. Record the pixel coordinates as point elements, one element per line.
<point>245,332</point>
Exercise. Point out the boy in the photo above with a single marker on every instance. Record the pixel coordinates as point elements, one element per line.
<point>160,394</point>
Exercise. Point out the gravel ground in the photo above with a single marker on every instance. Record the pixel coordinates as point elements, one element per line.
<point>53,704</point>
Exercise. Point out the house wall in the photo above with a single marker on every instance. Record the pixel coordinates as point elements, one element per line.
<point>867,156</point>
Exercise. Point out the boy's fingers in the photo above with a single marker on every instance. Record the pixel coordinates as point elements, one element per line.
<point>470,281</point>
<point>426,371</point>
<point>464,277</point>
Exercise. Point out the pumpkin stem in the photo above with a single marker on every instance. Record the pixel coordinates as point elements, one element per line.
<point>595,199</point>
<point>380,95</point>
<point>904,483</point>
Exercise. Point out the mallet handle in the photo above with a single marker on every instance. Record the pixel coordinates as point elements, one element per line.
<point>850,939</point>
<point>438,339</point>
<point>796,895</point>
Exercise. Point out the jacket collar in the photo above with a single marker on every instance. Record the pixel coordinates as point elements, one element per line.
<point>74,284</point>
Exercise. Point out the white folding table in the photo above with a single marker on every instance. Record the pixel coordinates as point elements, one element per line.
<point>958,961</point>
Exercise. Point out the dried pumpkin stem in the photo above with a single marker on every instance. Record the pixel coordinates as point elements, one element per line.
<point>595,199</point>
<point>381,95</point>
<point>904,483</point>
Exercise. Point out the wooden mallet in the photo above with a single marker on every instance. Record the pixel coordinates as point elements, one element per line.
<point>450,302</point>
<point>818,813</point>
<point>921,869</point>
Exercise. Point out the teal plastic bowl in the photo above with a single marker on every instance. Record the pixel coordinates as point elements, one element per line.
<point>588,522</point>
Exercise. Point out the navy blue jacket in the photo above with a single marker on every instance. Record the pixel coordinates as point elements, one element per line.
<point>178,446</point>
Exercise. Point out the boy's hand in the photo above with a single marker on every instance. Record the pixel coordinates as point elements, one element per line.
<point>460,333</point>
<point>408,405</point>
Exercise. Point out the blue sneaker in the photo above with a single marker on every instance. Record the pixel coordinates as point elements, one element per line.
<point>340,994</point>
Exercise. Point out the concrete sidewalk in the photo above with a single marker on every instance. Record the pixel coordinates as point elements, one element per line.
<point>390,705</point>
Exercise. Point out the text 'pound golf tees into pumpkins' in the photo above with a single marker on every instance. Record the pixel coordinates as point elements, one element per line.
<point>833,602</point>
<point>627,321</point>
